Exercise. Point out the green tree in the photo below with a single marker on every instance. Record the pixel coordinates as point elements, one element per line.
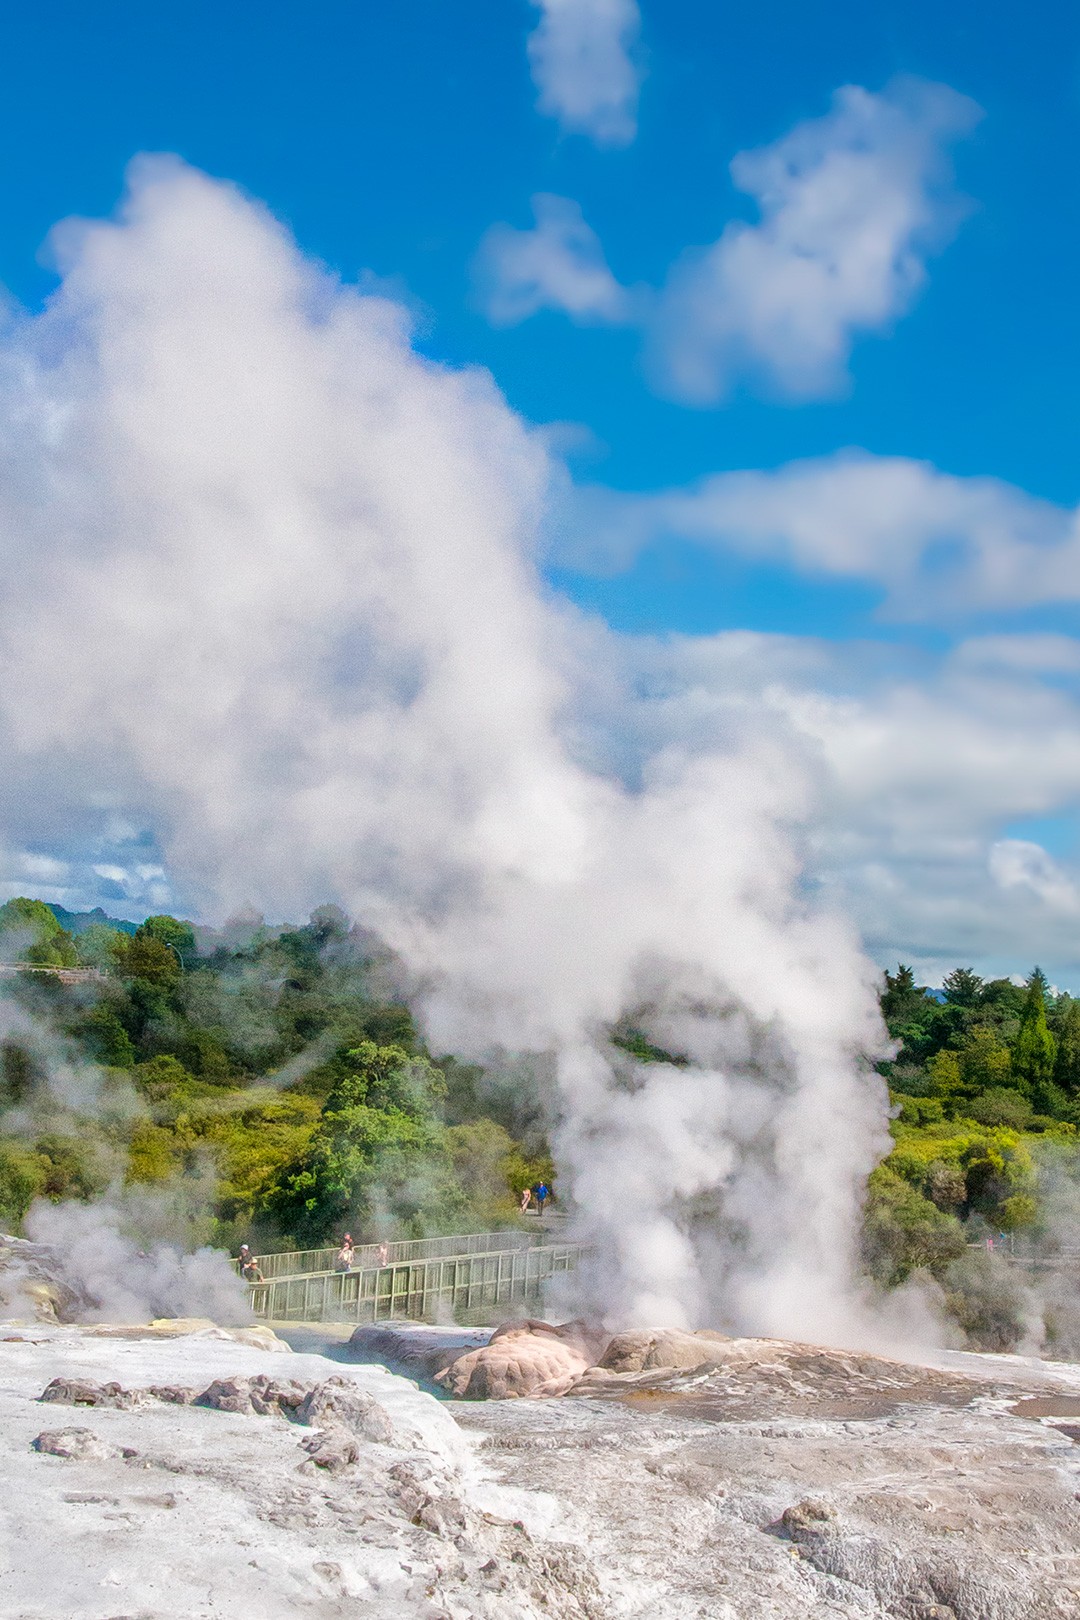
<point>379,1153</point>
<point>902,1000</point>
<point>945,1185</point>
<point>96,945</point>
<point>1067,1032</point>
<point>29,917</point>
<point>904,1232</point>
<point>946,1078</point>
<point>161,1077</point>
<point>1002,1106</point>
<point>1018,1212</point>
<point>171,931</point>
<point>56,951</point>
<point>962,987</point>
<point>29,932</point>
<point>985,1063</point>
<point>1034,1049</point>
<point>142,956</point>
<point>1004,1002</point>
<point>104,1037</point>
<point>22,1178</point>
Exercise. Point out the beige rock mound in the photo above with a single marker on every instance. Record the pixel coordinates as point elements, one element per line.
<point>257,1335</point>
<point>644,1349</point>
<point>77,1445</point>
<point>524,1360</point>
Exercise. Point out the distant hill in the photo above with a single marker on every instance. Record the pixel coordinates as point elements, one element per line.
<point>76,922</point>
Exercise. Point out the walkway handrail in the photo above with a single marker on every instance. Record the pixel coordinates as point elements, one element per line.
<point>312,1262</point>
<point>439,1286</point>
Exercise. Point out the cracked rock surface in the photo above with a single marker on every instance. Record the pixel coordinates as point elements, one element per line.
<point>189,1477</point>
<point>789,1482</point>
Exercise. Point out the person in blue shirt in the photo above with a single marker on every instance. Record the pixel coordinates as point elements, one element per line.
<point>543,1193</point>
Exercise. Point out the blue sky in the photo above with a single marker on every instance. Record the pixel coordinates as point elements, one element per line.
<point>390,137</point>
<point>404,143</point>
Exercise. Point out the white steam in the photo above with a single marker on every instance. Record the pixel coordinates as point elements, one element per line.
<point>272,599</point>
<point>96,1255</point>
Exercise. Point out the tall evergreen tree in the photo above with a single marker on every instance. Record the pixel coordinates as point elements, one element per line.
<point>962,987</point>
<point>1035,1049</point>
<point>902,1000</point>
<point>1067,1063</point>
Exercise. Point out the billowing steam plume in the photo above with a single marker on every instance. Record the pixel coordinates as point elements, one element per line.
<point>272,595</point>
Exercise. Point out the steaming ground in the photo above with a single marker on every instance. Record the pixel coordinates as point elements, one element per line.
<point>789,1484</point>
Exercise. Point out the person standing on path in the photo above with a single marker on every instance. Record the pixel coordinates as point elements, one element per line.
<point>249,1271</point>
<point>526,1199</point>
<point>543,1193</point>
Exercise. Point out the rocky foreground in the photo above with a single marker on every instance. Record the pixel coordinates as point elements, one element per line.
<point>739,1479</point>
<point>185,1471</point>
<point>195,1475</point>
<point>179,1470</point>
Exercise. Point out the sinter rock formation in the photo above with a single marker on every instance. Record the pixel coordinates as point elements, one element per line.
<point>189,1476</point>
<point>180,1471</point>
<point>713,1478</point>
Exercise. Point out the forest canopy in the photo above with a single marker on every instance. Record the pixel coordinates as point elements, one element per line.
<point>276,1073</point>
<point>270,1070</point>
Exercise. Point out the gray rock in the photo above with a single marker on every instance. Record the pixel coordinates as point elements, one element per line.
<point>173,1394</point>
<point>87,1392</point>
<point>339,1404</point>
<point>806,1519</point>
<point>334,1450</point>
<point>81,1445</point>
<point>262,1395</point>
<point>415,1349</point>
<point>33,1284</point>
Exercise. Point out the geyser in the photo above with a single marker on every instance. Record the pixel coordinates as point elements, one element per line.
<point>275,616</point>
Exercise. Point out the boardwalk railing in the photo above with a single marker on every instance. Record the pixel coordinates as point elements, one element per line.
<point>66,975</point>
<point>308,1262</point>
<point>445,1287</point>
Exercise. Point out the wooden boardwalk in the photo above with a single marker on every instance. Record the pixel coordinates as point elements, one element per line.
<point>454,1286</point>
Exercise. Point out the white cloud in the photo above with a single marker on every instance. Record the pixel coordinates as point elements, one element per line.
<point>850,205</point>
<point>1016,864</point>
<point>582,59</point>
<point>919,764</point>
<point>111,874</point>
<point>559,265</point>
<point>1039,652</point>
<point>41,868</point>
<point>937,545</point>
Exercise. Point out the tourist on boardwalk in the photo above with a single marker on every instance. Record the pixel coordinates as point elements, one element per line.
<point>526,1199</point>
<point>382,1258</point>
<point>543,1193</point>
<point>248,1268</point>
<point>344,1261</point>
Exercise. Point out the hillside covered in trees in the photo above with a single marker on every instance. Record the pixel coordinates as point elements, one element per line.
<point>985,1087</point>
<point>270,1085</point>
<point>267,1080</point>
